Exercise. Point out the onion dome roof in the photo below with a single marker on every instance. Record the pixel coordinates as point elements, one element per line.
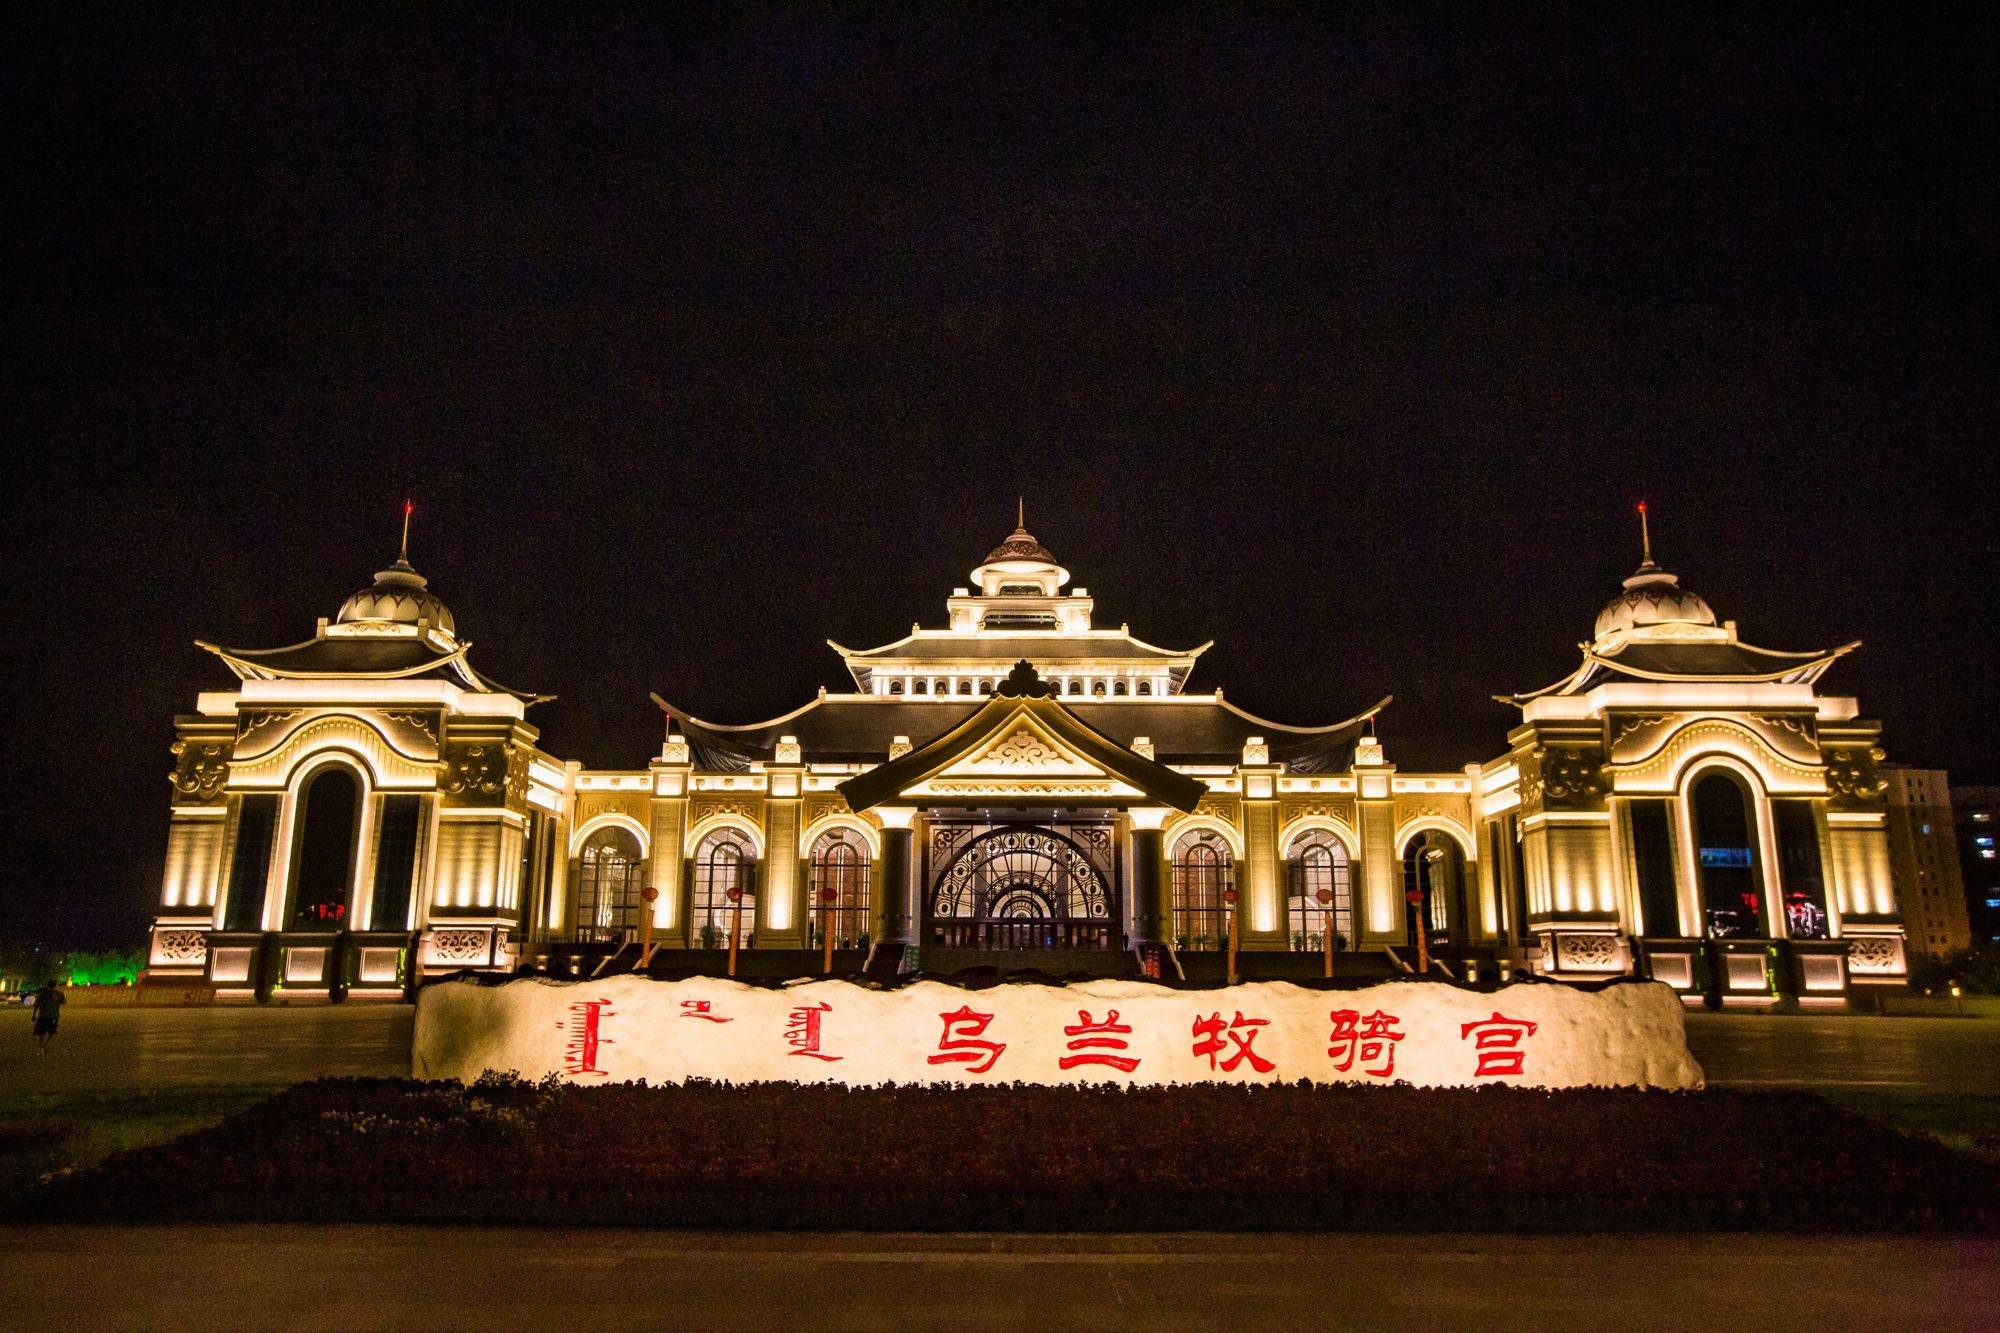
<point>399,595</point>
<point>1653,597</point>
<point>1020,546</point>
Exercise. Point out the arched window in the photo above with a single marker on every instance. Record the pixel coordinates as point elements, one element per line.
<point>1434,869</point>
<point>724,863</point>
<point>1201,866</point>
<point>965,687</point>
<point>1118,687</point>
<point>1145,687</point>
<point>1732,901</point>
<point>608,885</point>
<point>986,687</point>
<point>328,818</point>
<point>1097,688</point>
<point>895,687</point>
<point>1320,892</point>
<point>921,687</point>
<point>840,869</point>
<point>1070,686</point>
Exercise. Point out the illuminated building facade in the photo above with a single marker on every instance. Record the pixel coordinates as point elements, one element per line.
<point>366,807</point>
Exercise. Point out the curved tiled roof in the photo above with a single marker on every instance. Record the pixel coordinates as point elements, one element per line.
<point>1020,546</point>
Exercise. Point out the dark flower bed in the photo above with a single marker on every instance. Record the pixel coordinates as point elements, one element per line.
<point>1037,1158</point>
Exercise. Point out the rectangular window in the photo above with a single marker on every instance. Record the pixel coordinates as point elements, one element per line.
<point>1799,870</point>
<point>250,865</point>
<point>395,862</point>
<point>1653,859</point>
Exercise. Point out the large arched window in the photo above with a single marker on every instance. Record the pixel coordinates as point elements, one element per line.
<point>840,889</point>
<point>328,818</point>
<point>1320,892</point>
<point>1434,869</point>
<point>724,863</point>
<point>1725,857</point>
<point>1201,866</point>
<point>608,886</point>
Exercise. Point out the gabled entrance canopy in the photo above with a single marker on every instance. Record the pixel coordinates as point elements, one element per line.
<point>1023,748</point>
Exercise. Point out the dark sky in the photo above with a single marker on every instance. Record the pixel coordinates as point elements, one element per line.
<point>1350,348</point>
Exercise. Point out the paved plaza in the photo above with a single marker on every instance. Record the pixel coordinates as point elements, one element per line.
<point>358,1277</point>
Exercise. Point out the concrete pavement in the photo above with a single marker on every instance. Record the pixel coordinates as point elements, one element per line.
<point>348,1277</point>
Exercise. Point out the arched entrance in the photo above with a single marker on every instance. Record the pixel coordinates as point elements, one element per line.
<point>1726,862</point>
<point>1434,871</point>
<point>1021,887</point>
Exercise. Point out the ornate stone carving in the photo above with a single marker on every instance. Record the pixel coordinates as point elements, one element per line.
<point>180,948</point>
<point>459,946</point>
<point>201,769</point>
<point>1627,725</point>
<point>1023,751</point>
<point>1565,776</point>
<point>1851,776</point>
<point>267,718</point>
<point>475,771</point>
<point>707,807</point>
<point>1586,953</point>
<point>1872,954</point>
<point>427,723</point>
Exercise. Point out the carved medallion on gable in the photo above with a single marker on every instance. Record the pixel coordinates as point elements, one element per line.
<point>707,807</point>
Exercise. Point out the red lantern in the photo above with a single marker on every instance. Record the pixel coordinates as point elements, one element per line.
<point>829,896</point>
<point>1325,897</point>
<point>1415,897</point>
<point>734,895</point>
<point>1229,896</point>
<point>649,894</point>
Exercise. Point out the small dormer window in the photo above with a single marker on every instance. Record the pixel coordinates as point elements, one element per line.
<point>1145,687</point>
<point>986,687</point>
<point>1097,688</point>
<point>920,687</point>
<point>1118,688</point>
<point>895,687</point>
<point>965,687</point>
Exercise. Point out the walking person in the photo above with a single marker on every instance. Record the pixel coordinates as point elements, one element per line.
<point>48,1008</point>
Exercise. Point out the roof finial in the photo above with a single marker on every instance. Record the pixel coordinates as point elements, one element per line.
<point>1020,514</point>
<point>409,507</point>
<point>1645,533</point>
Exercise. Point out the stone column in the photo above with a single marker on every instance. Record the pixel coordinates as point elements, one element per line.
<point>1260,901</point>
<point>671,780</point>
<point>781,895</point>
<point>1152,911</point>
<point>897,913</point>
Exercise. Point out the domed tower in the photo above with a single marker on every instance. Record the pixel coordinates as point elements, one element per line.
<point>1690,807</point>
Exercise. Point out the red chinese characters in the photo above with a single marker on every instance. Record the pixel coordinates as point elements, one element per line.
<point>964,1041</point>
<point>700,1009</point>
<point>581,1049</point>
<point>802,1031</point>
<point>1371,1040</point>
<point>1094,1039</point>
<point>1499,1044</point>
<point>1213,1036</point>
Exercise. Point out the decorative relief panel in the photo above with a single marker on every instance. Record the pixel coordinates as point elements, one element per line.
<point>346,731</point>
<point>707,807</point>
<point>819,807</point>
<point>1569,777</point>
<point>476,773</point>
<point>1853,779</point>
<point>465,946</point>
<point>180,948</point>
<point>1587,953</point>
<point>1874,955</point>
<point>201,771</point>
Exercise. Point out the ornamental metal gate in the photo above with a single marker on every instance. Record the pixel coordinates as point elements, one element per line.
<point>1023,886</point>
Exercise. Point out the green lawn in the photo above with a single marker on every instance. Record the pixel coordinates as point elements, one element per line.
<point>46,1132</point>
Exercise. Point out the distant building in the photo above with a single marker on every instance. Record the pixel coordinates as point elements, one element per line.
<point>1977,818</point>
<point>1923,859</point>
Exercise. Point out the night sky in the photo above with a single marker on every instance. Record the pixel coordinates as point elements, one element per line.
<point>1350,349</point>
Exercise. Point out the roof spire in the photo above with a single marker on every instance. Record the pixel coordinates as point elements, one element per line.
<point>1645,533</point>
<point>409,507</point>
<point>1020,514</point>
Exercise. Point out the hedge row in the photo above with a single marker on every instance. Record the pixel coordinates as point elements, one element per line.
<point>1039,1158</point>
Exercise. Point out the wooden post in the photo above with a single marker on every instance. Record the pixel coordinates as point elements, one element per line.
<point>1325,897</point>
<point>827,898</point>
<point>1229,899</point>
<point>735,925</point>
<point>648,896</point>
<point>1416,899</point>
